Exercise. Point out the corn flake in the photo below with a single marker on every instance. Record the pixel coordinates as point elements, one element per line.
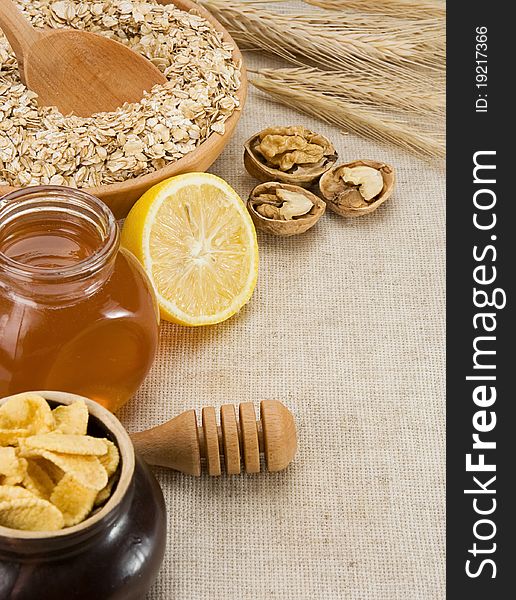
<point>30,514</point>
<point>8,461</point>
<point>10,437</point>
<point>27,411</point>
<point>73,500</point>
<point>52,470</point>
<point>37,480</point>
<point>71,418</point>
<point>10,492</point>
<point>86,469</point>
<point>12,467</point>
<point>111,459</point>
<point>104,493</point>
<point>66,444</point>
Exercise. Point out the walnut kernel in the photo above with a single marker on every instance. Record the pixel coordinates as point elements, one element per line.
<point>357,188</point>
<point>284,209</point>
<point>288,154</point>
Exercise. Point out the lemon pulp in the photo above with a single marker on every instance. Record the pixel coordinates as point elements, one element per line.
<point>197,243</point>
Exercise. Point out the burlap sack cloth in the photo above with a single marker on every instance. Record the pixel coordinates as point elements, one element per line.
<point>347,327</point>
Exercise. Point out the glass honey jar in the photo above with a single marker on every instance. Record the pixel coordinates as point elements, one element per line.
<point>77,312</point>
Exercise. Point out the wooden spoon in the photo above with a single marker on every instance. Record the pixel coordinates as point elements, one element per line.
<point>77,71</point>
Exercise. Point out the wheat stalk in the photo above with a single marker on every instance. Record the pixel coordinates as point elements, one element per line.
<point>413,9</point>
<point>348,115</point>
<point>337,41</point>
<point>365,89</point>
<point>350,67</point>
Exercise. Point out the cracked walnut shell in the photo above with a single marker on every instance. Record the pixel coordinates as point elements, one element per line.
<point>293,155</point>
<point>357,188</point>
<point>284,209</point>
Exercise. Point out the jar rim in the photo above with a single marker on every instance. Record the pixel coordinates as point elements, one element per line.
<point>127,459</point>
<point>50,196</point>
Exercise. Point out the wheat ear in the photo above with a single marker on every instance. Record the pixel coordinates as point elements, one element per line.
<point>336,40</point>
<point>412,9</point>
<point>365,89</point>
<point>350,117</point>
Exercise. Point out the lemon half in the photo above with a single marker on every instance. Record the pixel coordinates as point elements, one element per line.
<point>196,241</point>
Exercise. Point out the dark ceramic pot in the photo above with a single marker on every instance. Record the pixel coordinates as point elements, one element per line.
<point>115,554</point>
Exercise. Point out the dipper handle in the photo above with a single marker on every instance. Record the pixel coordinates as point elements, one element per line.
<point>182,444</point>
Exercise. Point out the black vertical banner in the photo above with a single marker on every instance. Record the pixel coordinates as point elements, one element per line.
<point>481,251</point>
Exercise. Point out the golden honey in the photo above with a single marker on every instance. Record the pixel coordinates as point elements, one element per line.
<point>77,313</point>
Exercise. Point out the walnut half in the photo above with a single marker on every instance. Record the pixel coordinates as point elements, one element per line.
<point>284,209</point>
<point>292,155</point>
<point>357,188</point>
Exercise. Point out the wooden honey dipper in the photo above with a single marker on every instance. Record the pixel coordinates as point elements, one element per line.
<point>181,444</point>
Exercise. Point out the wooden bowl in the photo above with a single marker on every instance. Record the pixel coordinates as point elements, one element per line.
<point>120,197</point>
<point>115,552</point>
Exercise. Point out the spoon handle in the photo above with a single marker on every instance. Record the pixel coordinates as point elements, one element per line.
<point>17,30</point>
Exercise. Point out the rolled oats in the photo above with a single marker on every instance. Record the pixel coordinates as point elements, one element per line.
<point>39,145</point>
